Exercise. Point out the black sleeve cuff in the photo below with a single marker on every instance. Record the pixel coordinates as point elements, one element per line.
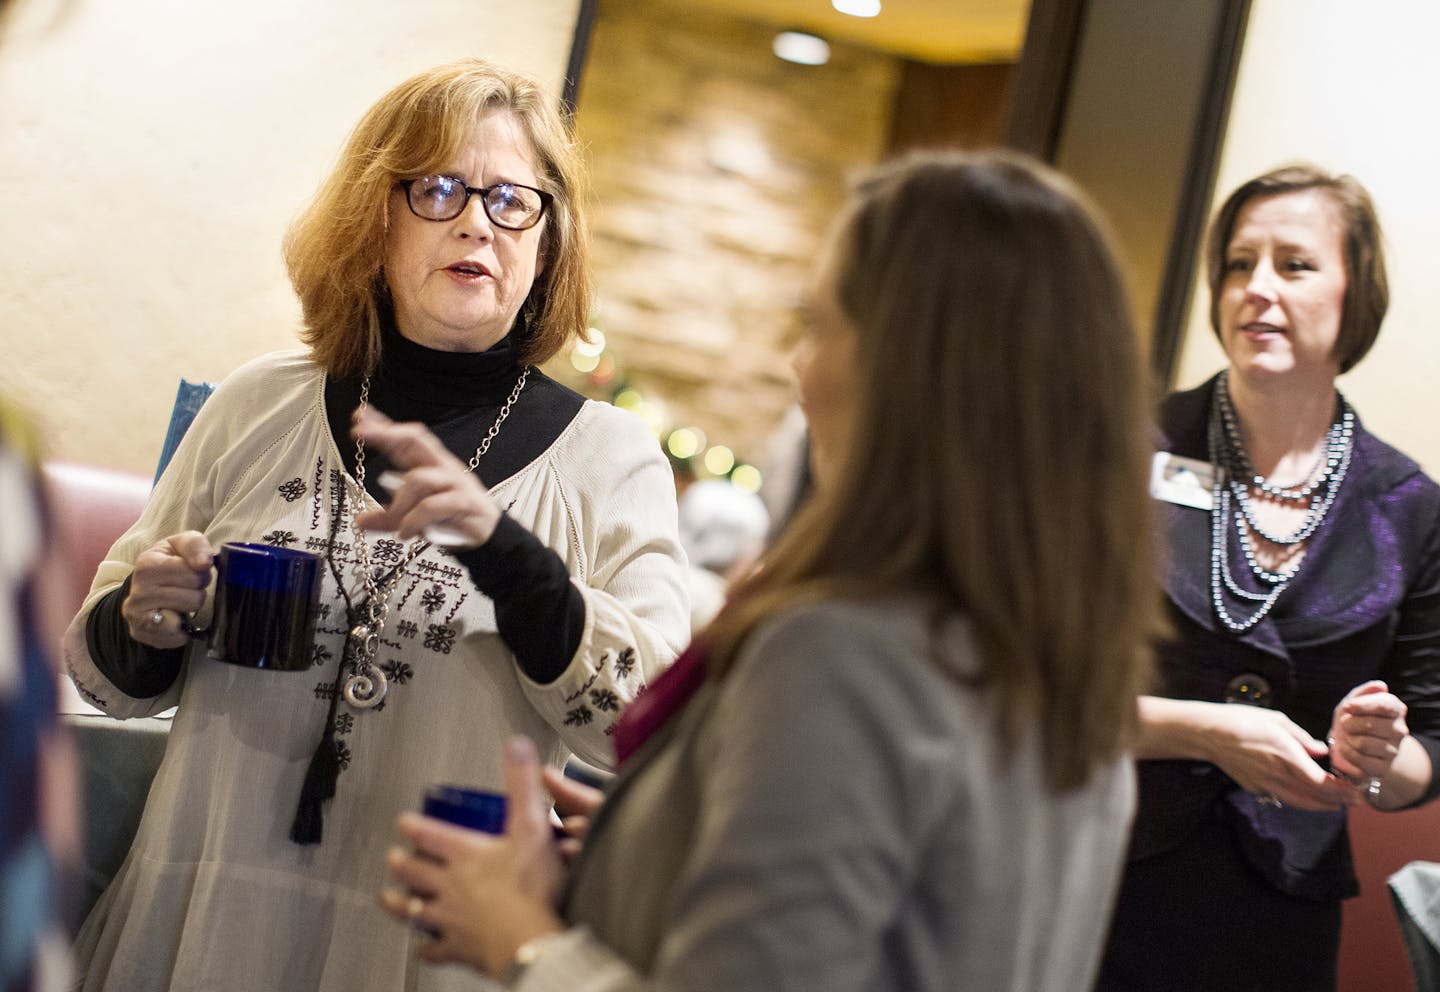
<point>540,613</point>
<point>136,669</point>
<point>1432,748</point>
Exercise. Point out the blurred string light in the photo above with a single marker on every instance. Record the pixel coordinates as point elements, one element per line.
<point>686,444</point>
<point>747,477</point>
<point>604,372</point>
<point>628,399</point>
<point>719,460</point>
<point>857,8</point>
<point>587,354</point>
<point>801,47</point>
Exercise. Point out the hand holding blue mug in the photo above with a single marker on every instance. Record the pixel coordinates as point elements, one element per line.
<point>264,606</point>
<point>167,585</point>
<point>480,895</point>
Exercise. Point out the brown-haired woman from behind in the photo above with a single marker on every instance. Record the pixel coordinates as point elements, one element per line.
<point>898,758</point>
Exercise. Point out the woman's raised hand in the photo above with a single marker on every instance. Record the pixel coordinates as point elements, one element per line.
<point>167,585</point>
<point>432,493</point>
<point>1366,732</point>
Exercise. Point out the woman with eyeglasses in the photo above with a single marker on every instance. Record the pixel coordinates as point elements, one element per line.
<point>501,556</point>
<point>897,759</point>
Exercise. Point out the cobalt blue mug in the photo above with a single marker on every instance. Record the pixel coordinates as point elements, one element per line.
<point>473,808</point>
<point>265,607</point>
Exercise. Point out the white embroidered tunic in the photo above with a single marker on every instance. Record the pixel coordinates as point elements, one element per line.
<point>214,894</point>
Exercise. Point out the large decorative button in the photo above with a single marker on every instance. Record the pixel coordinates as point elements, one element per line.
<point>1249,688</point>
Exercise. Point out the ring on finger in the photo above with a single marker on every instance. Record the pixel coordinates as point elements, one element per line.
<point>414,906</point>
<point>1266,799</point>
<point>157,618</point>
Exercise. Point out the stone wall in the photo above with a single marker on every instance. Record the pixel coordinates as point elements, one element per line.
<point>716,168</point>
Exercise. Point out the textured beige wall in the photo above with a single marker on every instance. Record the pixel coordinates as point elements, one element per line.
<point>716,168</point>
<point>1349,89</point>
<point>153,152</point>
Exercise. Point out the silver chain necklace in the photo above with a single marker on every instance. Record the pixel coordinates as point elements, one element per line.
<point>1234,477</point>
<point>366,685</point>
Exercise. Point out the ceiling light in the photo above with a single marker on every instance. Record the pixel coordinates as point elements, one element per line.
<point>801,47</point>
<point>857,8</point>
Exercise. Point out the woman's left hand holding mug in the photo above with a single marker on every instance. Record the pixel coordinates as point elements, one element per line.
<point>167,585</point>
<point>435,494</point>
<point>482,896</point>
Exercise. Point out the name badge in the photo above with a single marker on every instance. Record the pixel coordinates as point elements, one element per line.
<point>1185,481</point>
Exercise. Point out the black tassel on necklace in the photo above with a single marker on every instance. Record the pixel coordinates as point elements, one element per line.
<point>324,769</point>
<point>320,778</point>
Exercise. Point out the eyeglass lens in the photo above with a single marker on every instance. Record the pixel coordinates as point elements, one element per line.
<point>444,198</point>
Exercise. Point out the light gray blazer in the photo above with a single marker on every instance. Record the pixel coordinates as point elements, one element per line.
<point>836,815</point>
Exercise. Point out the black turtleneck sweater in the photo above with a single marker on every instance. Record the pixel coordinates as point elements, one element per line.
<point>538,610</point>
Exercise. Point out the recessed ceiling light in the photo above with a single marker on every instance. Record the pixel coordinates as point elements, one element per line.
<point>857,8</point>
<point>801,47</point>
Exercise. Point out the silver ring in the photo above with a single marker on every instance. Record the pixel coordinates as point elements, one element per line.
<point>157,618</point>
<point>414,906</point>
<point>1266,799</point>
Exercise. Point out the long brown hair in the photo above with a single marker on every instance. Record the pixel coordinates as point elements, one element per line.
<point>335,250</point>
<point>998,459</point>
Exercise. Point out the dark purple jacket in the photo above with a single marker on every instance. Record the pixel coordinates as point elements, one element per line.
<point>1365,604</point>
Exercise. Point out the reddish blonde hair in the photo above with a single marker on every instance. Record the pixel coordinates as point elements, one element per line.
<point>335,250</point>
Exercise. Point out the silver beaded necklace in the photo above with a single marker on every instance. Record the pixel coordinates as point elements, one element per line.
<point>1232,500</point>
<point>366,685</point>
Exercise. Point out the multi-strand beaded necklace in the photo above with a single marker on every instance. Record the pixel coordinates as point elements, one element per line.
<point>1233,500</point>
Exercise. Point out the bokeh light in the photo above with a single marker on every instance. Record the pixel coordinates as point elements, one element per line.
<point>719,460</point>
<point>684,442</point>
<point>594,347</point>
<point>747,477</point>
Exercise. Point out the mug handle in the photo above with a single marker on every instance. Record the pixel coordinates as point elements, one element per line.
<point>185,624</point>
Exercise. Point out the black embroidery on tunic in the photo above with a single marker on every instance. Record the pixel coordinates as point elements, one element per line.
<point>439,637</point>
<point>319,654</point>
<point>344,723</point>
<point>407,628</point>
<point>397,671</point>
<point>433,599</point>
<point>84,691</point>
<point>292,490</point>
<point>315,500</point>
<point>584,687</point>
<point>400,603</point>
<point>280,538</point>
<point>604,700</point>
<point>624,663</point>
<point>449,575</point>
<point>387,552</point>
<point>579,717</point>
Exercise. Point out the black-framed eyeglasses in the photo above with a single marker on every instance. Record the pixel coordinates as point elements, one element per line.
<point>508,205</point>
